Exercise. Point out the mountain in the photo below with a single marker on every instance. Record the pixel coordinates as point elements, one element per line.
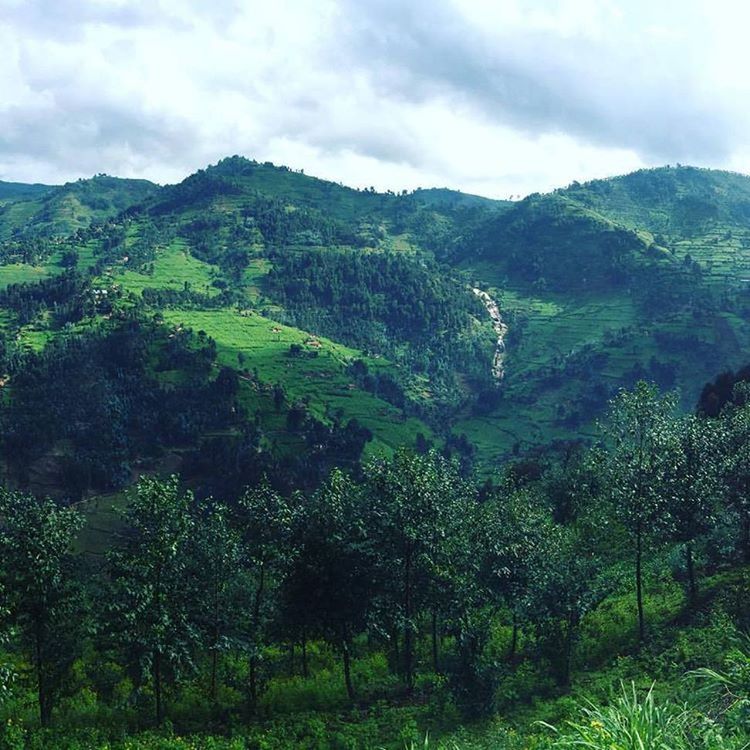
<point>604,283</point>
<point>230,389</point>
<point>375,310</point>
<point>30,211</point>
<point>14,191</point>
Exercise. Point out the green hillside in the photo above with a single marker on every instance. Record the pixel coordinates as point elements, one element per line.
<point>326,472</point>
<point>15,191</point>
<point>604,283</point>
<point>42,211</point>
<point>598,284</point>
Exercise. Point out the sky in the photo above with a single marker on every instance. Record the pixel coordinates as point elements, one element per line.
<point>495,97</point>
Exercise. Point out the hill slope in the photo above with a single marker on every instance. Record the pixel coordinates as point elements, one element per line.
<point>359,304</point>
<point>603,283</point>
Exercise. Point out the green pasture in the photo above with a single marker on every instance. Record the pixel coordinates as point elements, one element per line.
<point>317,376</point>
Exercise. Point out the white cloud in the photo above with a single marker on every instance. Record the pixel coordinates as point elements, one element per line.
<point>493,97</point>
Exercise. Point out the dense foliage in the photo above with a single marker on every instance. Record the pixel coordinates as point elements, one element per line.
<point>473,595</point>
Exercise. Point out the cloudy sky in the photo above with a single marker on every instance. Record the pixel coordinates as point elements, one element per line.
<point>498,97</point>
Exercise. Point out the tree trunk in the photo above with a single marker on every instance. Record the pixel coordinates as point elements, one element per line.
<point>45,704</point>
<point>408,634</point>
<point>514,638</point>
<point>396,652</point>
<point>639,585</point>
<point>746,536</point>
<point>157,688</point>
<point>347,665</point>
<point>253,665</point>
<point>305,670</point>
<point>253,677</point>
<point>568,656</point>
<point>692,583</point>
<point>435,646</point>
<point>214,669</point>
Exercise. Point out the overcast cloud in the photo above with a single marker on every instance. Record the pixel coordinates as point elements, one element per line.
<point>498,97</point>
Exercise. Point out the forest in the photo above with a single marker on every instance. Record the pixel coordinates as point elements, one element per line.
<point>401,599</point>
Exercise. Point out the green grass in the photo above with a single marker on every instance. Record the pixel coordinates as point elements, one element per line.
<point>174,267</point>
<point>19,273</point>
<point>320,379</point>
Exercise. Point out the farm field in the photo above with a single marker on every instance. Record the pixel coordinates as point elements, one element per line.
<point>317,377</point>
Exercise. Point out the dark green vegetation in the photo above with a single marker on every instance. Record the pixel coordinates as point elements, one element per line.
<point>400,600</point>
<point>643,276</point>
<point>398,541</point>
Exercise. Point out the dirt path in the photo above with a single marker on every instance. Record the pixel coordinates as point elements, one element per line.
<point>498,361</point>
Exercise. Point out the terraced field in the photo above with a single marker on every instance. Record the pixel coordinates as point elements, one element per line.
<point>173,268</point>
<point>316,377</point>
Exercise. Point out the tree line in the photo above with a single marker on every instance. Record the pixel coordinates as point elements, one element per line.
<point>407,556</point>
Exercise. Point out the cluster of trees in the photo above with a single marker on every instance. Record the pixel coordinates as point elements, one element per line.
<point>100,395</point>
<point>402,294</point>
<point>66,297</point>
<point>406,556</point>
<point>380,301</point>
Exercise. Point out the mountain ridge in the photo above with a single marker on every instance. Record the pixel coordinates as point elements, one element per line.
<point>598,284</point>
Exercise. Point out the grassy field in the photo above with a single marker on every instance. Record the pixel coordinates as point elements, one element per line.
<point>317,376</point>
<point>173,268</point>
<point>19,273</point>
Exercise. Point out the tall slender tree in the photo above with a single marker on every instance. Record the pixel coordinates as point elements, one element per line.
<point>265,521</point>
<point>44,603</point>
<point>418,507</point>
<point>151,593</point>
<point>735,462</point>
<point>634,465</point>
<point>693,482</point>
<point>333,576</point>
<point>214,563</point>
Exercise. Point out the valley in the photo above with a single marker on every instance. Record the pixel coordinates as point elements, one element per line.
<point>351,466</point>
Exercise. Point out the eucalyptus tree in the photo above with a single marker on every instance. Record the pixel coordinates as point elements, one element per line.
<point>417,505</point>
<point>510,540</point>
<point>151,592</point>
<point>634,465</point>
<point>567,579</point>
<point>214,558</point>
<point>42,598</point>
<point>734,441</point>
<point>265,521</point>
<point>331,580</point>
<point>694,485</point>
<point>6,671</point>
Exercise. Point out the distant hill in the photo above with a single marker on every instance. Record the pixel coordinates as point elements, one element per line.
<point>43,211</point>
<point>13,191</point>
<point>359,304</point>
<point>644,275</point>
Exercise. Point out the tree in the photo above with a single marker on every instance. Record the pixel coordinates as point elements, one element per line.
<point>332,577</point>
<point>633,465</point>
<point>214,557</point>
<point>265,521</point>
<point>417,506</point>
<point>151,594</point>
<point>510,539</point>
<point>693,483</point>
<point>735,462</point>
<point>6,670</point>
<point>36,538</point>
<point>566,581</point>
